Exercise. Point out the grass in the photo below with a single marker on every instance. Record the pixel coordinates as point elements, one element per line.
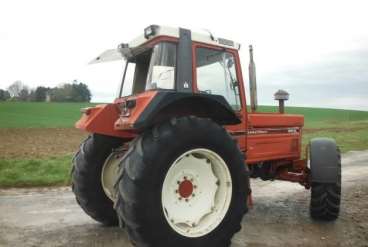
<point>35,172</point>
<point>39,115</point>
<point>349,128</point>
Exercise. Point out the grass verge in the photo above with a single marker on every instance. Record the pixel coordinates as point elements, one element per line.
<point>35,172</point>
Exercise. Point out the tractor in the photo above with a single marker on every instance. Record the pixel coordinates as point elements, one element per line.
<point>170,160</point>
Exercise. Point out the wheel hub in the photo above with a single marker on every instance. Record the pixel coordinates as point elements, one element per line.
<point>186,188</point>
<point>196,193</point>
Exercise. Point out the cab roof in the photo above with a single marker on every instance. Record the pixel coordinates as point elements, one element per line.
<point>154,31</point>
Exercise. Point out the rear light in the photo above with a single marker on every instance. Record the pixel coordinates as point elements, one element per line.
<point>126,107</point>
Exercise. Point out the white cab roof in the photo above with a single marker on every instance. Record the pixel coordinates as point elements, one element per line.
<point>203,37</point>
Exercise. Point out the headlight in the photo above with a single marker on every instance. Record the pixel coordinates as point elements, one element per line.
<point>151,31</point>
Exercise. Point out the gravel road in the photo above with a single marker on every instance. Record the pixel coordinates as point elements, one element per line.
<point>51,217</point>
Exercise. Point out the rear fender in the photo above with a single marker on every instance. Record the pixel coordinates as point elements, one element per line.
<point>167,104</point>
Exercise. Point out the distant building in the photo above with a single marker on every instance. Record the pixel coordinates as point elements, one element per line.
<point>48,97</point>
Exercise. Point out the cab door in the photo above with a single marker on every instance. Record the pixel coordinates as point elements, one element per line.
<point>217,70</point>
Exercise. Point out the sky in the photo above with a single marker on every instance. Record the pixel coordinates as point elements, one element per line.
<point>316,50</point>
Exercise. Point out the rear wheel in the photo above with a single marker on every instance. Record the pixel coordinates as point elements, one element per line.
<point>86,174</point>
<point>183,184</point>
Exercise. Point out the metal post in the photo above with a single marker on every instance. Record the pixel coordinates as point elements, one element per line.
<point>252,81</point>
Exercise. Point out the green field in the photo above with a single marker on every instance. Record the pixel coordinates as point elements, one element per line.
<point>349,128</point>
<point>39,115</point>
<point>64,115</point>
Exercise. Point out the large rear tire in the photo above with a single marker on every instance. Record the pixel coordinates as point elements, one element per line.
<point>183,183</point>
<point>86,177</point>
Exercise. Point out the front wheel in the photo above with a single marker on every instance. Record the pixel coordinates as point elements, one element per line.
<point>325,164</point>
<point>183,184</point>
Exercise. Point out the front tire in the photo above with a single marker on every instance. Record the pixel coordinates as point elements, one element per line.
<point>325,190</point>
<point>86,178</point>
<point>154,184</point>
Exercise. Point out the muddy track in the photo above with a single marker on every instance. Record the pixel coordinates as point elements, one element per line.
<point>39,142</point>
<point>50,217</point>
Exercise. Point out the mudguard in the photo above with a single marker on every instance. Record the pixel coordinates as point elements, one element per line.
<point>129,115</point>
<point>167,104</point>
<point>324,160</point>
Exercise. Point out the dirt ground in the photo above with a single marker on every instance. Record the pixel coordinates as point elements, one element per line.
<point>51,217</point>
<point>39,143</point>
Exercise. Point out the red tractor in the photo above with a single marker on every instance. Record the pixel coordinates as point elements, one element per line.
<point>170,160</point>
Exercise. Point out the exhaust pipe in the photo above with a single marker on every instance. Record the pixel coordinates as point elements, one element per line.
<point>252,81</point>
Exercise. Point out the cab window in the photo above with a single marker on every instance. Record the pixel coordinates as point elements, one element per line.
<point>216,74</point>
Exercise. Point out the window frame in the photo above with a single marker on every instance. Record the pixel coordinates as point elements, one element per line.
<point>237,70</point>
<point>149,45</point>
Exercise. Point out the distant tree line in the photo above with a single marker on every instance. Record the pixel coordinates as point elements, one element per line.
<point>68,92</point>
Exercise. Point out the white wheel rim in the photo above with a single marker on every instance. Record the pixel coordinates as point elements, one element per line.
<point>109,173</point>
<point>196,193</point>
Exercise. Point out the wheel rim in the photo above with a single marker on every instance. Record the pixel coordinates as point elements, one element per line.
<point>109,173</point>
<point>196,193</point>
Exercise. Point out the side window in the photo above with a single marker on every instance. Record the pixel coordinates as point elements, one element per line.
<point>161,73</point>
<point>216,74</point>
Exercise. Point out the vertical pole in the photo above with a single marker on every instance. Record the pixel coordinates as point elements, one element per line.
<point>252,81</point>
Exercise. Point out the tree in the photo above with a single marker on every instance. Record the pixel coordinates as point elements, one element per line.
<point>15,88</point>
<point>81,92</point>
<point>40,93</point>
<point>4,95</point>
<point>76,92</point>
<point>24,94</point>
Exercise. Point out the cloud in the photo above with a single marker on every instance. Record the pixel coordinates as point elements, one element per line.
<point>339,80</point>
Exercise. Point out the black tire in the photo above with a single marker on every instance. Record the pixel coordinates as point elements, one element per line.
<point>143,172</point>
<point>86,177</point>
<point>326,197</point>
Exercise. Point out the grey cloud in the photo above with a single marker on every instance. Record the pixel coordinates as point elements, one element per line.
<point>335,79</point>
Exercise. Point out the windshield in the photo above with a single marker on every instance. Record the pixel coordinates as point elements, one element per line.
<point>149,70</point>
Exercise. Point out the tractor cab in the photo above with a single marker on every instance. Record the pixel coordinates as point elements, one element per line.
<point>173,72</point>
<point>167,58</point>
